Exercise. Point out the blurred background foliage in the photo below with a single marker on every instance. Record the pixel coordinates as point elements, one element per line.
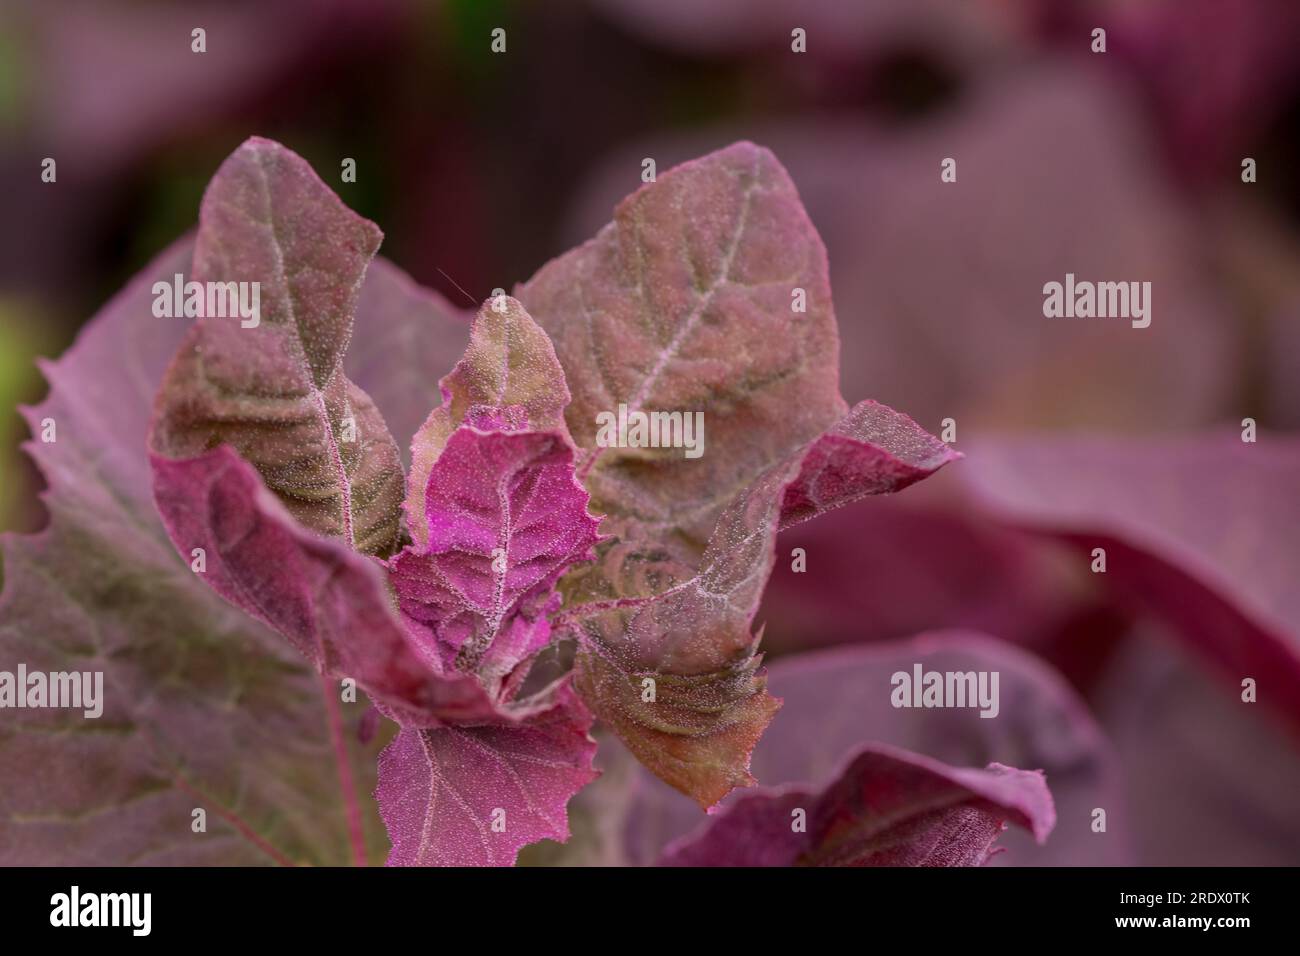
<point>480,166</point>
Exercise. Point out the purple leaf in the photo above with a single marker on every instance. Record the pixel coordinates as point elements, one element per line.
<point>647,317</point>
<point>328,601</point>
<point>887,807</point>
<point>506,517</point>
<point>272,385</point>
<point>838,699</point>
<point>1190,531</point>
<point>960,569</point>
<point>685,303</point>
<point>404,333</point>
<point>476,795</point>
<point>1210,779</point>
<point>871,451</point>
<point>202,707</point>
<point>674,671</point>
<point>938,287</point>
<point>509,369</point>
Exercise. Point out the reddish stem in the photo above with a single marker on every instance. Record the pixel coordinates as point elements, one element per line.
<point>234,819</point>
<point>356,834</point>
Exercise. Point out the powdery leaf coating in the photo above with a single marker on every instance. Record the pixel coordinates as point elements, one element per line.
<point>871,451</point>
<point>692,638</point>
<point>505,518</point>
<point>203,706</point>
<point>683,303</point>
<point>475,795</point>
<point>509,368</point>
<point>404,332</point>
<point>1169,514</point>
<point>887,807</point>
<point>276,392</point>
<point>328,601</point>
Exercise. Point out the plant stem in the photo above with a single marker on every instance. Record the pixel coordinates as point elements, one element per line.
<point>356,835</point>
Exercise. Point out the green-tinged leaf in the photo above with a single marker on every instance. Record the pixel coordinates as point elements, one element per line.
<point>272,385</point>
<point>203,708</point>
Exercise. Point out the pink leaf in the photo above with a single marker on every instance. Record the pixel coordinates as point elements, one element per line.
<point>508,375</point>
<point>329,601</point>
<point>506,518</point>
<point>886,807</point>
<point>476,795</point>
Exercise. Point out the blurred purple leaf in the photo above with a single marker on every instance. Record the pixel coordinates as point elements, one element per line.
<point>1192,529</point>
<point>1209,780</point>
<point>1212,76</point>
<point>960,569</point>
<point>836,700</point>
<point>886,807</point>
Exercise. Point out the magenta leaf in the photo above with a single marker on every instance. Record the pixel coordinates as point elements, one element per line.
<point>508,375</point>
<point>506,517</point>
<point>497,516</point>
<point>328,601</point>
<point>886,807</point>
<point>475,795</point>
<point>871,451</point>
